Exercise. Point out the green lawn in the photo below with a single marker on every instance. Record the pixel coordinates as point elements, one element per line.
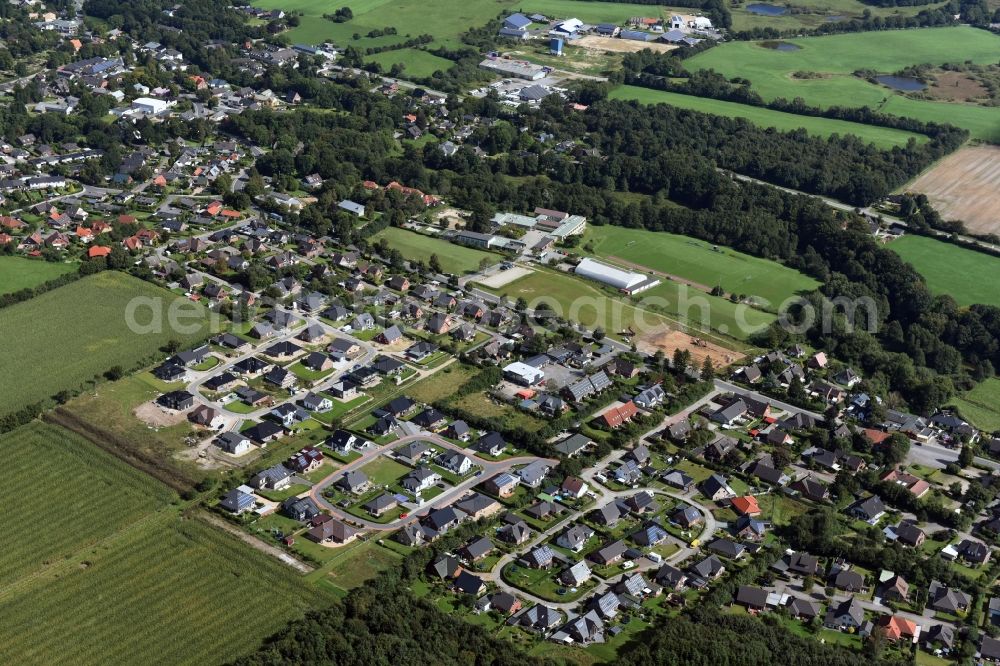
<point>966,275</point>
<point>415,62</point>
<point>88,495</point>
<point>442,383</point>
<point>454,258</point>
<point>583,301</point>
<point>835,57</point>
<point>167,591</point>
<point>65,337</point>
<point>383,471</point>
<point>17,273</point>
<point>700,262</point>
<point>981,405</point>
<point>883,137</point>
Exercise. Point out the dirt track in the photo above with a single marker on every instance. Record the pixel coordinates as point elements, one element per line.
<point>966,186</point>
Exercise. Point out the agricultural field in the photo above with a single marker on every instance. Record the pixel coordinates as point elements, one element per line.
<point>445,20</point>
<point>882,137</point>
<point>88,496</point>
<point>454,258</point>
<point>585,302</point>
<point>831,60</point>
<point>965,186</point>
<point>17,273</point>
<point>181,590</point>
<point>966,275</point>
<point>981,405</point>
<point>698,261</point>
<point>66,337</point>
<point>416,62</point>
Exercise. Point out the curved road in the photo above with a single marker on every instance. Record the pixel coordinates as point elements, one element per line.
<point>603,496</point>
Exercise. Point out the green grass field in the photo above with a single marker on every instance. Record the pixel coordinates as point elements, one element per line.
<point>981,405</point>
<point>66,337</point>
<point>168,591</point>
<point>18,273</point>
<point>695,260</point>
<point>446,20</point>
<point>454,258</point>
<point>384,471</point>
<point>883,137</point>
<point>441,384</point>
<point>812,13</point>
<point>966,275</point>
<point>583,301</point>
<point>416,62</point>
<point>87,495</point>
<point>835,57</point>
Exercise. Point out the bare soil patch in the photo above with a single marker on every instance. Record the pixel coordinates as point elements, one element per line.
<point>620,45</point>
<point>152,414</point>
<point>957,87</point>
<point>966,186</point>
<point>667,340</point>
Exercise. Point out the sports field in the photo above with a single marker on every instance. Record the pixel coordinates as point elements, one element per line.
<point>981,405</point>
<point>883,137</point>
<point>67,336</point>
<point>966,275</point>
<point>700,262</point>
<point>169,591</point>
<point>18,273</point>
<point>87,495</point>
<point>583,301</point>
<point>415,62</point>
<point>832,59</point>
<point>454,258</point>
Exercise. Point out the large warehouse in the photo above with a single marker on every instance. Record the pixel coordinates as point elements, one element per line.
<point>626,281</point>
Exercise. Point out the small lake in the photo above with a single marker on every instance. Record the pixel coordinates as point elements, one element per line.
<point>765,9</point>
<point>780,46</point>
<point>833,19</point>
<point>903,83</point>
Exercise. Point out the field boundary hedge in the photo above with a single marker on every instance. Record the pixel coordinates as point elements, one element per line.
<point>122,449</point>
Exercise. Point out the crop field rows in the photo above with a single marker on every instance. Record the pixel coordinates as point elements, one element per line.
<point>965,186</point>
<point>91,494</point>
<point>180,590</point>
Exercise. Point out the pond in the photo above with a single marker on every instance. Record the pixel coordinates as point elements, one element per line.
<point>833,19</point>
<point>903,83</point>
<point>780,46</point>
<point>765,9</point>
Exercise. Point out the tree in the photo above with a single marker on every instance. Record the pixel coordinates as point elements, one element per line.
<point>707,370</point>
<point>435,264</point>
<point>599,334</point>
<point>966,456</point>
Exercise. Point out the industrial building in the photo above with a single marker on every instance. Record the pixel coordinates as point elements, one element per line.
<point>519,68</point>
<point>626,281</point>
<point>524,374</point>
